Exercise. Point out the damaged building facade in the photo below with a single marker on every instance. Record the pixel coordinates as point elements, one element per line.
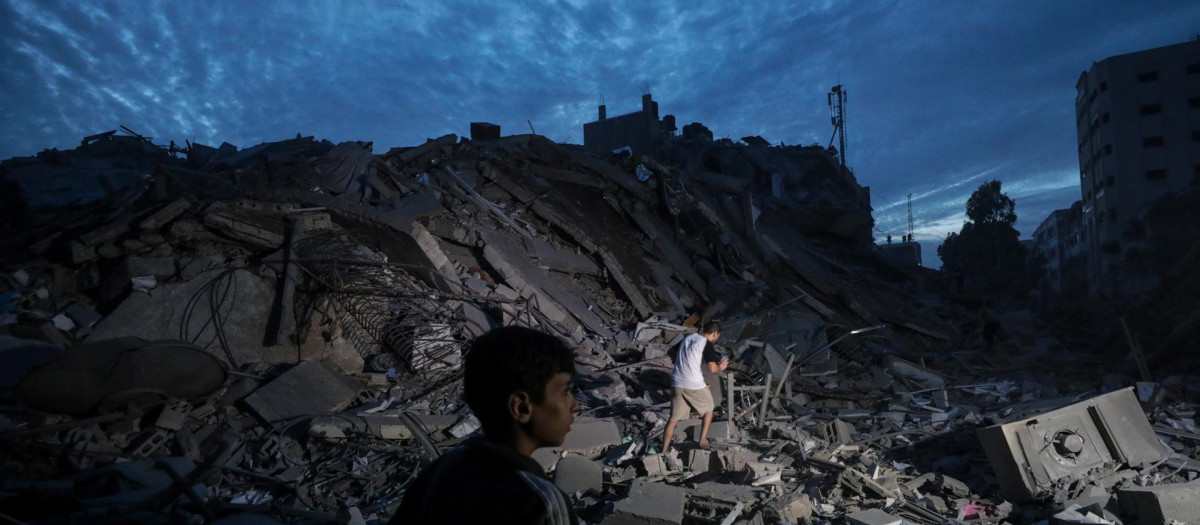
<point>1138,141</point>
<point>287,324</point>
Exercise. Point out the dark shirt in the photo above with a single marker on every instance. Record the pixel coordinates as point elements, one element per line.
<point>710,354</point>
<point>481,482</point>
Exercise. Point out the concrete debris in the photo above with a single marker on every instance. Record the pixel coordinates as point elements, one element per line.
<point>309,388</point>
<point>872,517</point>
<point>1161,503</point>
<point>227,334</point>
<point>649,504</point>
<point>578,474</point>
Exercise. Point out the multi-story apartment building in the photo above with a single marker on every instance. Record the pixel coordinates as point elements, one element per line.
<point>1060,242</point>
<point>1138,123</point>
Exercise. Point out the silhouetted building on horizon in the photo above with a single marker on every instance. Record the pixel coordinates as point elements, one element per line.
<point>638,130</point>
<point>1061,241</point>
<point>904,253</point>
<point>1138,123</point>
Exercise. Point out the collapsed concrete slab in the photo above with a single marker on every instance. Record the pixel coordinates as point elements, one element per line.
<point>86,376</point>
<point>649,504</point>
<point>218,309</point>
<point>588,438</point>
<point>578,474</point>
<point>307,389</point>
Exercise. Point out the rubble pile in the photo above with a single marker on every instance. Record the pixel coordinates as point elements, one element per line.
<point>279,331</point>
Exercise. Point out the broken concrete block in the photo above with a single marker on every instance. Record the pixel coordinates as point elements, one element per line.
<point>759,474</point>
<point>478,322</point>
<point>622,453</point>
<point>700,460</point>
<point>1078,514</point>
<point>793,509</point>
<point>907,369</point>
<point>734,460</point>
<point>1161,503</point>
<point>689,429</point>
<point>952,486</point>
<point>260,229</point>
<point>173,415</point>
<point>63,322</point>
<point>1031,456</point>
<point>104,233</point>
<point>872,517</point>
<point>316,222</point>
<point>433,250</point>
<point>309,388</point>
<point>578,474</point>
<point>83,314</point>
<point>390,427</point>
<point>649,504</point>
<point>165,214</point>
<point>588,437</point>
<point>548,256</point>
<point>655,466</point>
<point>836,431</point>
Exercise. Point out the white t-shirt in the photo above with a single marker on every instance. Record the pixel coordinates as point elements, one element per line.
<point>687,373</point>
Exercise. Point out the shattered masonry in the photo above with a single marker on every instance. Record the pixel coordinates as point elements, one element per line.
<point>209,332</point>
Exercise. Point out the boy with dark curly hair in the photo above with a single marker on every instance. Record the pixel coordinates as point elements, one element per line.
<point>517,382</point>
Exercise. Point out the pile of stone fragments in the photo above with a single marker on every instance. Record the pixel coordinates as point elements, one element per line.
<point>275,335</point>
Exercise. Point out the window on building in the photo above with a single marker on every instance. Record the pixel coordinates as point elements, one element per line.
<point>1103,87</point>
<point>1158,174</point>
<point>1194,102</point>
<point>1196,135</point>
<point>1110,181</point>
<point>1152,142</point>
<point>1151,109</point>
<point>1192,69</point>
<point>1104,118</point>
<point>1149,76</point>
<point>1108,149</point>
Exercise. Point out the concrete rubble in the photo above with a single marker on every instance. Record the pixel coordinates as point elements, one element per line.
<point>289,320</point>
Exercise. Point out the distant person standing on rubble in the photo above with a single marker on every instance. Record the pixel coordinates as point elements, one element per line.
<point>517,382</point>
<point>690,392</point>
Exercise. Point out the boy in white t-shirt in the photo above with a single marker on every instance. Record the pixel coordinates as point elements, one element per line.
<point>687,381</point>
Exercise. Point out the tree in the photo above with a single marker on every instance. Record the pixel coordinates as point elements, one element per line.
<point>987,251</point>
<point>988,205</point>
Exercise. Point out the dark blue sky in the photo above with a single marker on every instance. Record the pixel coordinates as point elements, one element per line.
<point>943,95</point>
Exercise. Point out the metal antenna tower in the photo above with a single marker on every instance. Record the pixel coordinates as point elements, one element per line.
<point>910,218</point>
<point>837,116</point>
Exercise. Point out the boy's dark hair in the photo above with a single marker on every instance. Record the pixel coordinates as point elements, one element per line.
<point>507,360</point>
<point>711,327</point>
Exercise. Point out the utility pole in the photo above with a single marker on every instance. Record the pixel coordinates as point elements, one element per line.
<point>910,218</point>
<point>837,116</point>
